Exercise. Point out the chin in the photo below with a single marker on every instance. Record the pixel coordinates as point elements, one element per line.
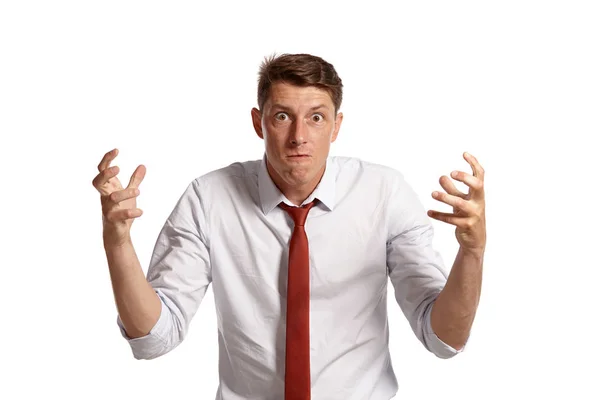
<point>295,172</point>
<point>299,175</point>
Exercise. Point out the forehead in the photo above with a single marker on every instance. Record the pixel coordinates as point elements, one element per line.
<point>293,96</point>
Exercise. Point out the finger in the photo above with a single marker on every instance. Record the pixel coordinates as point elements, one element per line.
<point>123,215</point>
<point>104,176</point>
<point>456,202</point>
<point>475,166</point>
<point>108,157</point>
<point>137,176</point>
<point>120,195</point>
<point>451,219</point>
<point>471,181</point>
<point>449,187</point>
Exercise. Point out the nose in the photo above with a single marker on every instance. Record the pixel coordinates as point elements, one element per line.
<point>298,132</point>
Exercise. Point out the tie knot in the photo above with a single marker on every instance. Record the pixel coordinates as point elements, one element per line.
<point>298,214</point>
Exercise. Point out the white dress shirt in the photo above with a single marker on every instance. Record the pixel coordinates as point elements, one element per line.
<point>227,229</point>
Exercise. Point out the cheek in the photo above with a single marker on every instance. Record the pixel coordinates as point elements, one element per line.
<point>326,135</point>
<point>273,142</point>
<point>274,132</point>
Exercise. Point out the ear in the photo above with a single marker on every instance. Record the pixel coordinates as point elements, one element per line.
<point>338,124</point>
<point>257,122</point>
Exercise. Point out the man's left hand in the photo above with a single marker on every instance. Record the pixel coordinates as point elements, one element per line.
<point>468,209</point>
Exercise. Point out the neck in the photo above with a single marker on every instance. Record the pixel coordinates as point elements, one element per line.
<point>295,193</point>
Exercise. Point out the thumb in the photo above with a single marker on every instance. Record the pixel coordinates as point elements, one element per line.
<point>137,177</point>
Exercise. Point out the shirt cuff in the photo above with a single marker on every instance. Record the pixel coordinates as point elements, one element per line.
<point>153,344</point>
<point>434,344</point>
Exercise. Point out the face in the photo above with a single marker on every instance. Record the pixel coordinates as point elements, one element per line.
<point>298,125</point>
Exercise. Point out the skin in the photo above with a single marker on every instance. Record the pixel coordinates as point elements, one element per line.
<point>454,310</point>
<point>297,120</point>
<point>137,303</point>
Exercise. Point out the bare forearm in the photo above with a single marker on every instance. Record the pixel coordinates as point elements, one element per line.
<point>454,310</point>
<point>137,303</point>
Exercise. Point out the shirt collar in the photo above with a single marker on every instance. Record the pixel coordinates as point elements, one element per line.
<point>271,196</point>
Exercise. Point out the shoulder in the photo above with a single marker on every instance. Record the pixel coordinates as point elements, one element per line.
<point>231,181</point>
<point>232,174</point>
<point>383,182</point>
<point>369,171</point>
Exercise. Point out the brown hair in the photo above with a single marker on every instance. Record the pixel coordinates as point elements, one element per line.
<point>300,70</point>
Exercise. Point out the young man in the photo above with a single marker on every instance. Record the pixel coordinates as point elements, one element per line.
<point>299,247</point>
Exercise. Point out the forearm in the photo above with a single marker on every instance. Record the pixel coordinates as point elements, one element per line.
<point>138,305</point>
<point>454,310</point>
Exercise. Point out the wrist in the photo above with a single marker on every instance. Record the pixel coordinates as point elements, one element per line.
<point>476,253</point>
<point>111,243</point>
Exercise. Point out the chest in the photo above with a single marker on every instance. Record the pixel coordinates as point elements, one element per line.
<point>346,249</point>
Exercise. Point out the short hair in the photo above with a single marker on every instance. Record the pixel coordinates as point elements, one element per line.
<point>300,70</point>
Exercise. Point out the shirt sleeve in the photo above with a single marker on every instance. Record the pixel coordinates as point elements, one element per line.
<point>415,268</point>
<point>179,272</point>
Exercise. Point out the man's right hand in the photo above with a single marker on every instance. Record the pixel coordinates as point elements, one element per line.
<point>118,204</point>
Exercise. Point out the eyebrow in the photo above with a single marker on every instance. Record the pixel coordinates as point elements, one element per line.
<point>282,107</point>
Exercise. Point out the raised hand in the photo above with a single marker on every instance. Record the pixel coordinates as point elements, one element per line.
<point>119,207</point>
<point>468,209</point>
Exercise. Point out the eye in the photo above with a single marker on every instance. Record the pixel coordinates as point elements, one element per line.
<point>317,118</point>
<point>281,116</point>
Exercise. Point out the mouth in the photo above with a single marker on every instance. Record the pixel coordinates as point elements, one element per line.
<point>299,156</point>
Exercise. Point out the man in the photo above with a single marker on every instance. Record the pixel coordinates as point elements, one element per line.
<point>299,247</point>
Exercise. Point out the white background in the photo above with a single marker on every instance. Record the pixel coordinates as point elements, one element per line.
<point>171,84</point>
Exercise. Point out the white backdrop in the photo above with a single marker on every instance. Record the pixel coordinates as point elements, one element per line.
<point>171,84</point>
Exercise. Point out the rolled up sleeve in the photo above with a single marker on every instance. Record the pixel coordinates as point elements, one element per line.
<point>434,344</point>
<point>153,344</point>
<point>179,273</point>
<point>416,270</point>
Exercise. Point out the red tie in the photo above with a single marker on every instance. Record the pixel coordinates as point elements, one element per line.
<point>297,341</point>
